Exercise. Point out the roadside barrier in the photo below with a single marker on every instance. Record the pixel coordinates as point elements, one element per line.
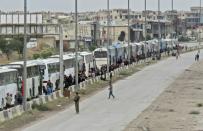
<point>2,118</point>
<point>37,101</point>
<point>42,100</point>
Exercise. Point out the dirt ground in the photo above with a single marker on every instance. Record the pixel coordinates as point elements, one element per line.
<point>179,108</point>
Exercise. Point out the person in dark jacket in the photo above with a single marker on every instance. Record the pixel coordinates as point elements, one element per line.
<point>57,84</point>
<point>76,100</point>
<point>197,57</point>
<point>70,80</point>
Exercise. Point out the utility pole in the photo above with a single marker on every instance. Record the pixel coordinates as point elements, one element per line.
<point>0,22</point>
<point>145,22</point>
<point>172,4</point>
<point>76,45</point>
<point>61,58</point>
<point>172,18</point>
<point>25,58</point>
<point>159,26</point>
<point>200,14</point>
<point>108,35</point>
<point>129,31</point>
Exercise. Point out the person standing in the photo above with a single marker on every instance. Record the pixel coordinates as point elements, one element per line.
<point>8,100</point>
<point>2,104</point>
<point>57,84</point>
<point>76,100</point>
<point>111,90</point>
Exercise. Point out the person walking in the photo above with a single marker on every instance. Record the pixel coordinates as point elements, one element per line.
<point>176,55</point>
<point>76,100</point>
<point>111,76</point>
<point>111,90</point>
<point>197,56</point>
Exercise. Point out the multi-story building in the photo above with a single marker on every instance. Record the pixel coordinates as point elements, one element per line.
<point>192,18</point>
<point>12,23</point>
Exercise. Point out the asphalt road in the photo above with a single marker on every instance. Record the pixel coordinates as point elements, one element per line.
<point>133,95</point>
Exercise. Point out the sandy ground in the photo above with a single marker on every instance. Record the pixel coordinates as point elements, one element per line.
<point>178,108</point>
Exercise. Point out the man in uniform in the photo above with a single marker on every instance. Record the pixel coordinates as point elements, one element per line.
<point>76,100</point>
<point>111,90</point>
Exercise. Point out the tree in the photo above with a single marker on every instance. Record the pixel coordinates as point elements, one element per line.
<point>148,37</point>
<point>6,47</point>
<point>17,45</point>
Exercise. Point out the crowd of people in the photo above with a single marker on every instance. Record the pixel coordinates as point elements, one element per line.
<point>68,81</point>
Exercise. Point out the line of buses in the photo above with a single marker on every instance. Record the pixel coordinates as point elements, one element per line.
<point>119,50</point>
<point>39,72</point>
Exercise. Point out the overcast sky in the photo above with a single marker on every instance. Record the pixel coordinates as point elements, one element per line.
<point>91,5</point>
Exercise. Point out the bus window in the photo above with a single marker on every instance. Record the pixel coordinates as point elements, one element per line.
<point>100,54</point>
<point>8,78</point>
<point>1,79</point>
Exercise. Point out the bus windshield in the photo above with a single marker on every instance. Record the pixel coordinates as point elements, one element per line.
<point>8,78</point>
<point>100,54</point>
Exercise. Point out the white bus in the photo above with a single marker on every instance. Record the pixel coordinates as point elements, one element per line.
<point>51,71</point>
<point>34,68</point>
<point>88,60</point>
<point>8,83</point>
<point>100,55</point>
<point>80,61</point>
<point>68,63</point>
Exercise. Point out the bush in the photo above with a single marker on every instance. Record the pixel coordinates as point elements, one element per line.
<point>46,54</point>
<point>36,56</point>
<point>194,112</point>
<point>40,107</point>
<point>148,37</point>
<point>92,48</point>
<point>199,105</point>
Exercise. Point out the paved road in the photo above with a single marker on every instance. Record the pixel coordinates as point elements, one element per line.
<point>133,95</point>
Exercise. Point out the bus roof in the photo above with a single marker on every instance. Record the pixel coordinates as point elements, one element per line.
<point>65,57</point>
<point>101,49</point>
<point>85,53</point>
<point>5,69</point>
<point>72,55</point>
<point>29,63</point>
<point>50,60</point>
